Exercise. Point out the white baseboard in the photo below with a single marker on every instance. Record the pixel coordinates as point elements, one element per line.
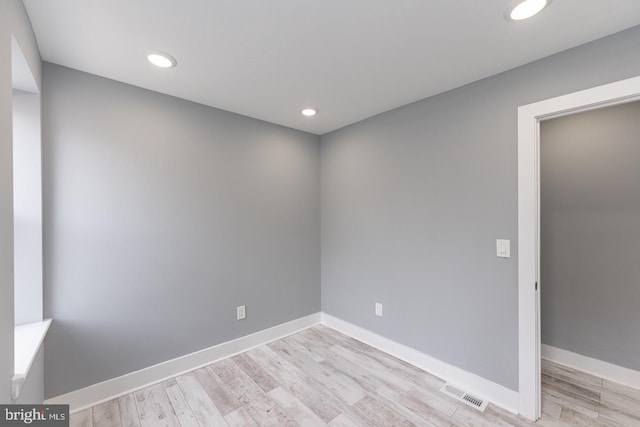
<point>475,384</point>
<point>599,368</point>
<point>113,388</point>
<point>110,389</point>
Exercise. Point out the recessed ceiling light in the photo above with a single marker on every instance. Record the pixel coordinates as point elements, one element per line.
<point>309,112</point>
<point>161,59</point>
<point>527,8</point>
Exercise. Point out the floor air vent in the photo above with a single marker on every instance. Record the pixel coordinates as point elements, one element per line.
<point>465,397</point>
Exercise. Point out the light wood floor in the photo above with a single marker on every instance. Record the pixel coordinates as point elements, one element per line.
<point>320,377</point>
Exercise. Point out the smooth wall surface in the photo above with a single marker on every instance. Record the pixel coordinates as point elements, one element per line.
<point>27,207</point>
<point>414,199</point>
<point>590,233</point>
<point>162,216</point>
<point>13,21</point>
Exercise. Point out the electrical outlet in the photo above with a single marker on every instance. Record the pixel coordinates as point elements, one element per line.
<point>241,312</point>
<point>378,309</point>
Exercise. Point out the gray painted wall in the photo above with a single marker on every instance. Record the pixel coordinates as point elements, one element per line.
<point>413,200</point>
<point>590,233</point>
<point>162,216</point>
<point>13,20</point>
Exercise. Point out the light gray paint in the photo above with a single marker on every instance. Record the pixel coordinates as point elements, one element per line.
<point>13,21</point>
<point>27,207</point>
<point>590,233</point>
<point>162,216</point>
<point>413,200</point>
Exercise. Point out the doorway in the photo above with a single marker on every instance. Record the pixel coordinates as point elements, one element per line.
<point>529,118</point>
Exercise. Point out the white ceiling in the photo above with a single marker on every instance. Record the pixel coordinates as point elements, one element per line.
<point>349,58</point>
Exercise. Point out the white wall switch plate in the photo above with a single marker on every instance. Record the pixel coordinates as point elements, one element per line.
<point>503,248</point>
<point>241,312</point>
<point>378,309</point>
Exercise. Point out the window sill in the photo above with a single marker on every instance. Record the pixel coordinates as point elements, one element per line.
<point>27,343</point>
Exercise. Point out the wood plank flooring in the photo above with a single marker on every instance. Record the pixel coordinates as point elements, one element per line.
<point>319,377</point>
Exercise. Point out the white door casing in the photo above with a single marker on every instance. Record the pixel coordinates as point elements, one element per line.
<point>529,118</point>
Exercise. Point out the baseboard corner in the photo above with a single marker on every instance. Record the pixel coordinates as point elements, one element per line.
<point>110,389</point>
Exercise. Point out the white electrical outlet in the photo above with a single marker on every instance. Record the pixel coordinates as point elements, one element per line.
<point>241,312</point>
<point>378,309</point>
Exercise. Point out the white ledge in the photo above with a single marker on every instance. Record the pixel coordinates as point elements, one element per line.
<point>28,340</point>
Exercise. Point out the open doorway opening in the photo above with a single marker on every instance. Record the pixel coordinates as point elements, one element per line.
<point>590,234</point>
<point>529,118</point>
<point>589,264</point>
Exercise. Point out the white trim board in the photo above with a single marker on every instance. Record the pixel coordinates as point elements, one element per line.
<point>119,386</point>
<point>28,340</point>
<point>475,384</point>
<point>529,117</point>
<point>599,368</point>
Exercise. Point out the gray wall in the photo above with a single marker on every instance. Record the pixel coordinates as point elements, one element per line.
<point>13,20</point>
<point>590,233</point>
<point>162,216</point>
<point>413,200</point>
